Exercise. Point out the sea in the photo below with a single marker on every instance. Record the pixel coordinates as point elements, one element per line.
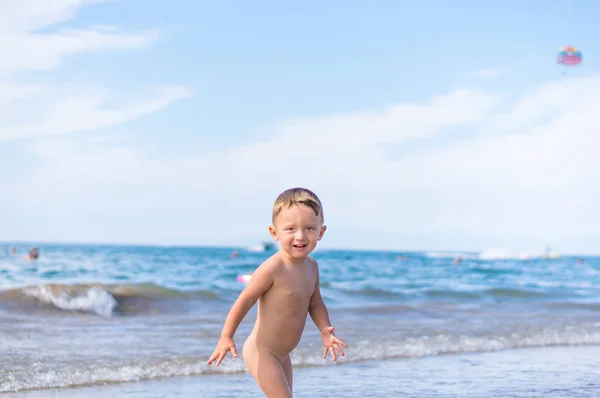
<point>107,320</point>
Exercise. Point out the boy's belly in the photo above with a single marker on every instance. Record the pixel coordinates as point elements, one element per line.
<point>278,336</point>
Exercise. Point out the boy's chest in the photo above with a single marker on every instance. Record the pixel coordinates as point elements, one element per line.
<point>297,286</point>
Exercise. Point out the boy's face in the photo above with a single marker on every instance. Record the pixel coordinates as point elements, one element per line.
<point>298,229</point>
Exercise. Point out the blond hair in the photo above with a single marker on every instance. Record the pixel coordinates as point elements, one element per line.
<point>295,196</point>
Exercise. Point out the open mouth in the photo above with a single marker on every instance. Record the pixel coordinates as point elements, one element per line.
<point>299,246</point>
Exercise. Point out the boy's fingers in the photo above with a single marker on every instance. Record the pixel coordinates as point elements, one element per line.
<point>325,352</point>
<point>234,351</point>
<point>340,342</point>
<point>332,351</point>
<point>211,359</point>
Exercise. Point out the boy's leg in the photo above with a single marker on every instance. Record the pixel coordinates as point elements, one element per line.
<point>286,364</point>
<point>267,370</point>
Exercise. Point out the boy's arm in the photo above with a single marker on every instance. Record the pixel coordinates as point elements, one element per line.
<point>317,309</point>
<point>320,316</point>
<point>261,280</point>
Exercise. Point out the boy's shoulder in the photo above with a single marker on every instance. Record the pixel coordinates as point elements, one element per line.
<point>273,263</point>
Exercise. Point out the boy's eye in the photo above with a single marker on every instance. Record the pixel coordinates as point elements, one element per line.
<point>310,228</point>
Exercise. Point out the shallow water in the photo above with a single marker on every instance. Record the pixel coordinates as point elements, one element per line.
<point>529,372</point>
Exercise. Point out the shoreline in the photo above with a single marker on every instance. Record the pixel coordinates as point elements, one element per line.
<point>531,372</point>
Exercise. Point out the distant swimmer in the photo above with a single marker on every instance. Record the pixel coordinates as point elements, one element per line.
<point>33,254</point>
<point>12,251</point>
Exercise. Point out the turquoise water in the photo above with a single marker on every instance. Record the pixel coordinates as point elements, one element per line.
<point>86,315</point>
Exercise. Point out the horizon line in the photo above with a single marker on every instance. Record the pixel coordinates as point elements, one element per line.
<point>243,247</point>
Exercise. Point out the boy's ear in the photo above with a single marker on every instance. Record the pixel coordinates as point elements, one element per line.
<point>273,232</point>
<point>323,229</point>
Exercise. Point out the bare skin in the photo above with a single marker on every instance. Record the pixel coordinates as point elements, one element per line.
<point>286,287</point>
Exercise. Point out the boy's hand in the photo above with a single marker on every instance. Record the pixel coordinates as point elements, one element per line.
<point>224,345</point>
<point>331,343</point>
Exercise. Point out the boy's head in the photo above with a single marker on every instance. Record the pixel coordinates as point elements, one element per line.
<point>297,221</point>
<point>297,196</point>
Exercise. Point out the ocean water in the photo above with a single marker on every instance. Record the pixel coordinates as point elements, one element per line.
<point>93,315</point>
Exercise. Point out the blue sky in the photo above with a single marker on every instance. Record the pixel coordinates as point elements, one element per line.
<point>422,126</point>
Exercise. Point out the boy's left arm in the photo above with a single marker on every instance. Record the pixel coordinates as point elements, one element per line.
<point>320,316</point>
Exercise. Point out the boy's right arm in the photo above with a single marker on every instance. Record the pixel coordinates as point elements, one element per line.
<point>260,282</point>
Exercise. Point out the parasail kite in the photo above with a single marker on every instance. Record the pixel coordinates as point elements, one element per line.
<point>569,56</point>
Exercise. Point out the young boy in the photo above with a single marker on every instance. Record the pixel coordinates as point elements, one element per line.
<point>287,289</point>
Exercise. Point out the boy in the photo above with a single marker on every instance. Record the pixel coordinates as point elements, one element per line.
<point>287,289</point>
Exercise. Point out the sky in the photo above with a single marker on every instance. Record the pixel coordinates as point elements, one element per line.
<point>427,126</point>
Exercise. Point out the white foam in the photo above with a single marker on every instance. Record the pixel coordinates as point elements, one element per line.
<point>33,379</point>
<point>452,344</point>
<point>94,300</point>
<point>68,375</point>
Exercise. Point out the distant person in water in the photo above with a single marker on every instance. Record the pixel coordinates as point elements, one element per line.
<point>12,251</point>
<point>33,254</point>
<point>286,287</point>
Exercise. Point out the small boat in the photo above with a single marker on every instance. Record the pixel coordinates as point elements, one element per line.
<point>262,247</point>
<point>552,254</point>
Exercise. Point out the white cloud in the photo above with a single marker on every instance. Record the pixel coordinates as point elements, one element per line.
<point>24,48</point>
<point>32,40</point>
<point>29,15</point>
<point>78,112</point>
<point>43,51</point>
<point>491,73</point>
<point>525,175</point>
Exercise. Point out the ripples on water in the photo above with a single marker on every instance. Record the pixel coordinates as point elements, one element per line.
<point>91,314</point>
